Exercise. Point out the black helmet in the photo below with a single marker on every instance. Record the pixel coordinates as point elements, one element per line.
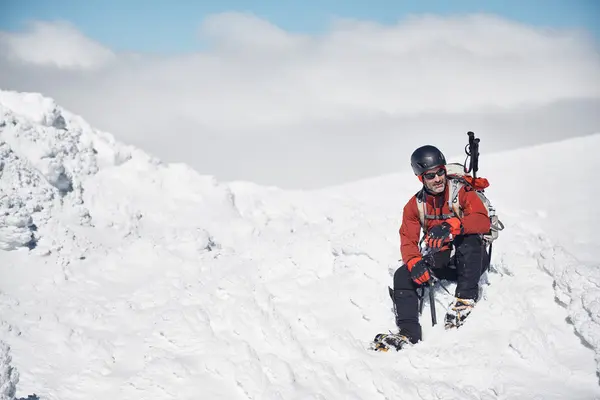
<point>425,158</point>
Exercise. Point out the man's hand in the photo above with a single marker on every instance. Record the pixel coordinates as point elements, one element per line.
<point>441,234</point>
<point>420,270</point>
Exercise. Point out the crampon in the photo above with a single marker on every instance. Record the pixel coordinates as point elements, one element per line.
<point>389,341</point>
<point>458,311</point>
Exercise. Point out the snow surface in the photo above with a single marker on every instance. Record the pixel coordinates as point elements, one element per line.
<point>9,377</point>
<point>124,277</point>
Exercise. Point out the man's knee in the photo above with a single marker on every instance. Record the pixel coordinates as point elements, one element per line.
<point>470,252</point>
<point>467,244</point>
<point>403,282</point>
<point>405,293</point>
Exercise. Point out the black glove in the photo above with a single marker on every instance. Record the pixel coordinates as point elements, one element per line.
<point>420,272</point>
<point>438,235</point>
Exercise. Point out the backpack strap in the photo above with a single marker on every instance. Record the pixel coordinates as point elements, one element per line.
<point>455,184</point>
<point>420,197</point>
<point>421,206</point>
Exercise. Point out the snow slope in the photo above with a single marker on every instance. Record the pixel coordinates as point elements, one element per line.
<point>124,277</point>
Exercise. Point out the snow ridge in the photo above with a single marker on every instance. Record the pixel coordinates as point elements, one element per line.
<point>45,153</point>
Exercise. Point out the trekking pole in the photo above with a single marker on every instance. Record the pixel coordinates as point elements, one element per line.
<point>472,150</point>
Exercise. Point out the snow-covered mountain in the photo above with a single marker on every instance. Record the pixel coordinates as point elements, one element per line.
<point>124,277</point>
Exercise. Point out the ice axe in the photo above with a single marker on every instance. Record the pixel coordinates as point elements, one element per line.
<point>427,252</point>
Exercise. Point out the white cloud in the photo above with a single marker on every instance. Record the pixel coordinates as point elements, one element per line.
<point>297,110</point>
<point>56,44</point>
<point>244,31</point>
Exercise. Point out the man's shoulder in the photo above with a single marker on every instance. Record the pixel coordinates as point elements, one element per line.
<point>412,201</point>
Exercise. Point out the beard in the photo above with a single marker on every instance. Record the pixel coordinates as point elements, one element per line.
<point>436,188</point>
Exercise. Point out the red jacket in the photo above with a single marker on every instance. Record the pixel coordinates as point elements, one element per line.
<point>475,218</point>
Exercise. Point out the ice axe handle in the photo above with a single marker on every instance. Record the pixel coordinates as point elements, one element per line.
<point>432,305</point>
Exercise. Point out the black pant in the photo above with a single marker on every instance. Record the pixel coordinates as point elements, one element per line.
<point>470,260</point>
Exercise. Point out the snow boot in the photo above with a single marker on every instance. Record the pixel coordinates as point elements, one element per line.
<point>458,311</point>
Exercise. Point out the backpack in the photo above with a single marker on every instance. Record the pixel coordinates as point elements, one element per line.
<point>457,178</point>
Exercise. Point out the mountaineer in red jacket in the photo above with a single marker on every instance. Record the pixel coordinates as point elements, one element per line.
<point>452,233</point>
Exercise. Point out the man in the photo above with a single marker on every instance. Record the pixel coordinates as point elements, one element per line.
<point>444,231</point>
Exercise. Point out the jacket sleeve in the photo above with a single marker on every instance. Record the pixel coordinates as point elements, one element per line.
<point>410,231</point>
<point>475,216</point>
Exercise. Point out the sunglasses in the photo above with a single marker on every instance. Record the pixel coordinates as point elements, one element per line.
<point>431,175</point>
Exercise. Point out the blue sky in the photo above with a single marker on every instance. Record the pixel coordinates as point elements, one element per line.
<point>172,26</point>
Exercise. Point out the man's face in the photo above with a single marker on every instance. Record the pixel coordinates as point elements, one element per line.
<point>434,182</point>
